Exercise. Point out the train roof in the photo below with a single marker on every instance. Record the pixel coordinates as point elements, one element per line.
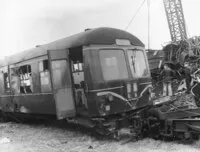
<point>101,35</point>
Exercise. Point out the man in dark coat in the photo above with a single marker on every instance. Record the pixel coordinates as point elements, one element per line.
<point>167,75</point>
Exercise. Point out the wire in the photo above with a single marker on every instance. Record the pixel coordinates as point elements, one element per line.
<point>134,15</point>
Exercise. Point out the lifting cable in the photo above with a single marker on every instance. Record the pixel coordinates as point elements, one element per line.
<point>134,15</point>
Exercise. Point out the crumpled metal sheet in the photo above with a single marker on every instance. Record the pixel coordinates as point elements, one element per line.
<point>182,101</point>
<point>183,50</point>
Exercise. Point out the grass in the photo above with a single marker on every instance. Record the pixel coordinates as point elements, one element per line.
<point>52,138</point>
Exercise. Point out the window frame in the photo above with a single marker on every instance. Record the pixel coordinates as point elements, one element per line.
<point>145,60</point>
<point>113,49</point>
<point>34,62</point>
<point>6,83</point>
<point>22,78</point>
<point>44,71</point>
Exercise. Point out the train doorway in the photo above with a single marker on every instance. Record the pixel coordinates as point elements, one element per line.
<point>77,68</point>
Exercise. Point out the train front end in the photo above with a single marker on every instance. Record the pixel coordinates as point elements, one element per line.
<point>119,86</point>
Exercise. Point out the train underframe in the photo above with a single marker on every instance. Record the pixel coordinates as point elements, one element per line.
<point>130,123</point>
<point>181,124</point>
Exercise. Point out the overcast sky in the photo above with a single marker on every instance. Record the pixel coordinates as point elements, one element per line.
<point>27,23</point>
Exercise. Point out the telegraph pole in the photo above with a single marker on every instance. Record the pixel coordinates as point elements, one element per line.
<point>148,6</point>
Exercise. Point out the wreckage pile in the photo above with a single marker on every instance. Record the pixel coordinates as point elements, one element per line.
<point>175,54</point>
<point>179,52</point>
<point>178,100</point>
<point>181,101</point>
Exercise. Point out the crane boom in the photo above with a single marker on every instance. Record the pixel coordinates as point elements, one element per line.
<point>175,18</point>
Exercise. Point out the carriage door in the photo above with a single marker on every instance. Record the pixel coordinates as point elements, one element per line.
<point>62,84</point>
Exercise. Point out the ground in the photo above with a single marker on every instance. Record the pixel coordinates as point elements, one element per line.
<point>15,137</point>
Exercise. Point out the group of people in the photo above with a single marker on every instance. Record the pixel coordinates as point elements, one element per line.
<point>168,75</point>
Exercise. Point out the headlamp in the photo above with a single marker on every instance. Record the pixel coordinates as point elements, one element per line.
<point>110,97</point>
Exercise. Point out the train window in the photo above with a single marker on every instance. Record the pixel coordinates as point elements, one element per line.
<point>14,81</point>
<point>43,65</point>
<point>44,76</point>
<point>113,64</point>
<point>5,88</point>
<point>77,66</point>
<point>59,72</point>
<point>137,63</point>
<point>77,72</point>
<point>25,79</point>
<point>21,79</point>
<point>6,82</point>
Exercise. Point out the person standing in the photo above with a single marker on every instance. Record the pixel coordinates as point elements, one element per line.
<point>167,75</point>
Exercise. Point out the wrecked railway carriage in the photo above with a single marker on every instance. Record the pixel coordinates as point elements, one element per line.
<point>175,54</point>
<point>99,78</point>
<point>181,106</point>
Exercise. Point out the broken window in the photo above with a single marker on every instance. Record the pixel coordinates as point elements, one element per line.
<point>77,71</point>
<point>14,81</point>
<point>44,76</point>
<point>5,87</point>
<point>77,67</point>
<point>21,79</point>
<point>6,82</point>
<point>25,79</point>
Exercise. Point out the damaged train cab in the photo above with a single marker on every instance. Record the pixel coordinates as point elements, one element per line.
<point>98,78</point>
